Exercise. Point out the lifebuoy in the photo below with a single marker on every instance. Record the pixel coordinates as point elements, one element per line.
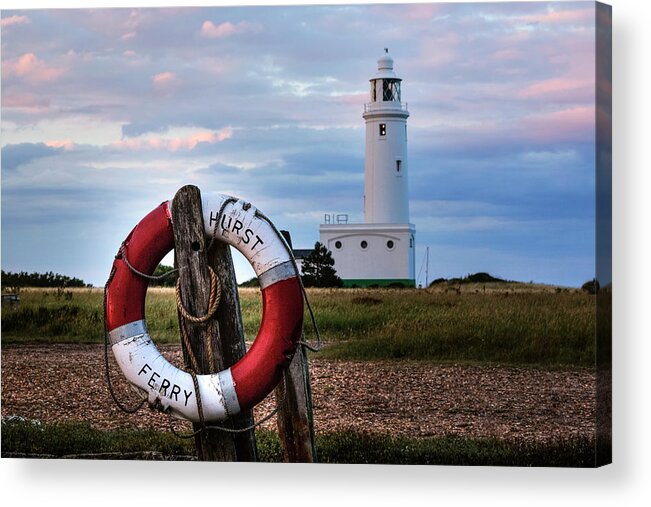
<point>247,382</point>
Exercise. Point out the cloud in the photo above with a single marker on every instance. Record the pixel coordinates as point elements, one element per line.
<point>188,142</point>
<point>562,16</point>
<point>208,29</point>
<point>566,125</point>
<point>163,79</point>
<point>14,20</point>
<point>165,83</point>
<point>31,68</point>
<point>267,103</point>
<point>25,101</point>
<point>555,87</point>
<point>66,144</point>
<point>225,29</point>
<point>15,155</point>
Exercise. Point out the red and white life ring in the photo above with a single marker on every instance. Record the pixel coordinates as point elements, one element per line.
<point>247,382</point>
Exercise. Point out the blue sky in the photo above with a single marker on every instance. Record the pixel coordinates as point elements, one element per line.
<point>107,112</point>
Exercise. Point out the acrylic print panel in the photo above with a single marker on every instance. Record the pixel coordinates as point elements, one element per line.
<point>452,161</point>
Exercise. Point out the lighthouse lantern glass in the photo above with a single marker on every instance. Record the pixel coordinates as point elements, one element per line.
<point>391,90</point>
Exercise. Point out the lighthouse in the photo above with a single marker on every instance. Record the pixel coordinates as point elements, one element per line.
<point>380,251</point>
<point>385,166</point>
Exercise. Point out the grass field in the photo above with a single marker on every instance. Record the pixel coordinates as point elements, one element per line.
<point>79,440</point>
<point>518,324</point>
<point>510,324</point>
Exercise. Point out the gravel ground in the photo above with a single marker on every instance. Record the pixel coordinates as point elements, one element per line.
<point>67,383</point>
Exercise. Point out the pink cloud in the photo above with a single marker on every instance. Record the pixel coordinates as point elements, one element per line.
<point>436,51</point>
<point>14,20</point>
<point>165,83</point>
<point>573,124</point>
<point>31,68</point>
<point>209,29</point>
<point>27,101</point>
<point>192,141</point>
<point>188,142</point>
<point>163,79</point>
<point>352,99</point>
<point>562,16</point>
<point>555,86</point>
<point>66,144</point>
<point>417,12</point>
<point>226,29</point>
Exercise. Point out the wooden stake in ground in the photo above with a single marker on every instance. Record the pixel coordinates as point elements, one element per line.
<point>295,416</point>
<point>192,262</point>
<point>231,344</point>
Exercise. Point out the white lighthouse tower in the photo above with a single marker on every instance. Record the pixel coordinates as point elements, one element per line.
<point>381,250</point>
<point>385,167</point>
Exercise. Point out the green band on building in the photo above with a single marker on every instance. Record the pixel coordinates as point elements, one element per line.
<point>379,282</point>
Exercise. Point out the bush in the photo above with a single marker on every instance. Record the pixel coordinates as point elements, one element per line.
<point>318,268</point>
<point>591,286</point>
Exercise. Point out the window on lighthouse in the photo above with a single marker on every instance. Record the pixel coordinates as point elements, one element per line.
<point>383,129</point>
<point>390,90</point>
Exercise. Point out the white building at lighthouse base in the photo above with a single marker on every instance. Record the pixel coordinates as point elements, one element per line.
<point>369,255</point>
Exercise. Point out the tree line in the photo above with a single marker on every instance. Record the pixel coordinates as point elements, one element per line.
<point>49,279</point>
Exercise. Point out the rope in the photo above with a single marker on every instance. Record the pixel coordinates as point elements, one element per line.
<point>279,402</point>
<point>215,296</point>
<point>186,345</point>
<point>195,381</point>
<point>124,408</point>
<point>219,216</point>
<point>246,206</point>
<point>123,254</point>
<point>140,273</point>
<point>317,346</point>
<point>213,304</point>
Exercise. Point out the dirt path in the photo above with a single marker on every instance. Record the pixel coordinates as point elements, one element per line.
<point>66,382</point>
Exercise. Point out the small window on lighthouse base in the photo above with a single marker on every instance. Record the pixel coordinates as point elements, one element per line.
<point>383,129</point>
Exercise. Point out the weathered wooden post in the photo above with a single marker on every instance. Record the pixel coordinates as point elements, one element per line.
<point>223,333</point>
<point>232,346</point>
<point>295,415</point>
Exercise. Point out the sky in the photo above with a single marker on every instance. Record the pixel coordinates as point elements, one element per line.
<point>107,112</point>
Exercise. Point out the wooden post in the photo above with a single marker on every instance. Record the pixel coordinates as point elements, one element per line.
<point>232,346</point>
<point>295,416</point>
<point>191,260</point>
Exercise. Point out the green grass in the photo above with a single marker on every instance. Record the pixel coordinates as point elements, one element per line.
<point>79,439</point>
<point>77,316</point>
<point>514,324</point>
<point>533,328</point>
